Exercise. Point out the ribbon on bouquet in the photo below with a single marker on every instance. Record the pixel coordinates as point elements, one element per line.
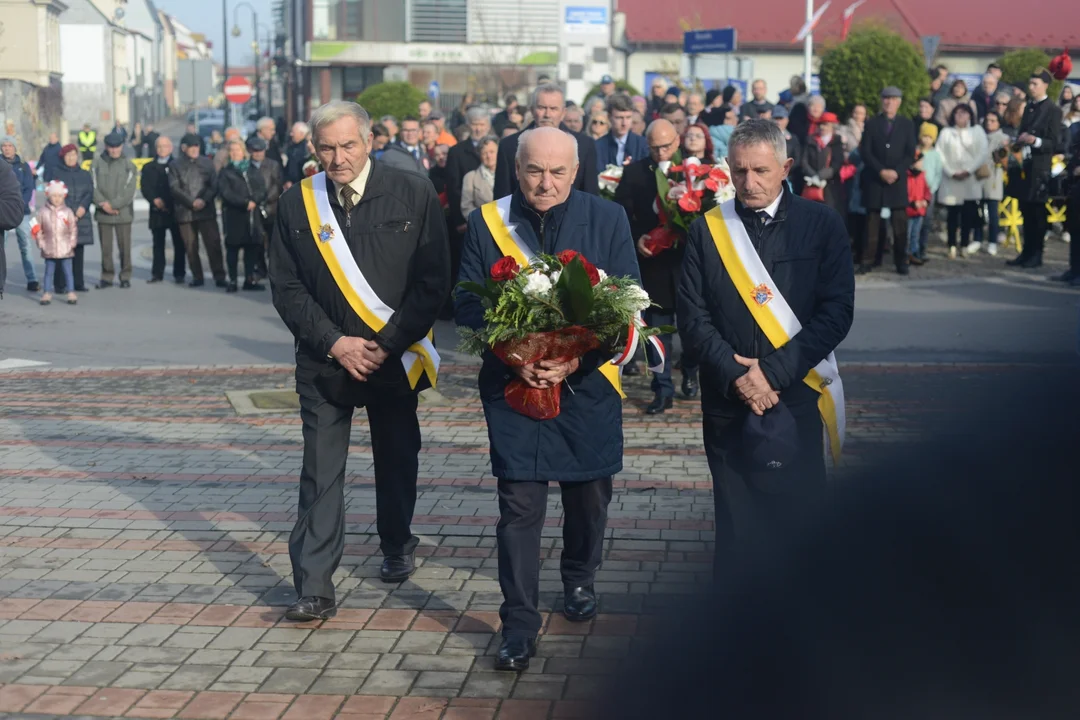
<point>633,338</point>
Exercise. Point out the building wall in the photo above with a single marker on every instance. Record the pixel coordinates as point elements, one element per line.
<point>20,44</point>
<point>86,59</point>
<point>120,73</point>
<point>36,112</point>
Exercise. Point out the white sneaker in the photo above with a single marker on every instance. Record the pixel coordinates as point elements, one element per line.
<point>952,253</point>
<point>1066,237</point>
<point>972,248</point>
<point>991,248</point>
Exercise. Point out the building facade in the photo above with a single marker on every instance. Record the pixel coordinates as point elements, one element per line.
<point>31,93</point>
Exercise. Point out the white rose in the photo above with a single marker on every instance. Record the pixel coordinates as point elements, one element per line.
<point>555,276</point>
<point>602,274</point>
<point>639,297</point>
<point>537,284</point>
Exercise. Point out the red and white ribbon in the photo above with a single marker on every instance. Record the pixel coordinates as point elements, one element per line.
<point>632,340</point>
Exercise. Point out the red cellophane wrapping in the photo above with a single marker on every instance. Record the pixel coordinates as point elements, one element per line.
<point>558,345</point>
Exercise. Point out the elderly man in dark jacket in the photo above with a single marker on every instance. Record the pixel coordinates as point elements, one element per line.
<point>115,179</point>
<point>155,188</point>
<point>194,186</point>
<point>272,174</point>
<point>548,109</point>
<point>581,448</point>
<point>659,271</point>
<point>11,213</point>
<point>887,150</point>
<point>382,229</point>
<point>49,161</point>
<point>1040,136</point>
<point>767,294</point>
<point>22,172</point>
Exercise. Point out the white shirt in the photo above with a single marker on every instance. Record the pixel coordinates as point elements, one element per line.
<point>359,185</point>
<point>772,208</point>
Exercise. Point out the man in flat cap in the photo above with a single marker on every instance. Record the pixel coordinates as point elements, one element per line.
<point>887,149</point>
<point>194,185</point>
<point>115,178</point>
<point>272,174</point>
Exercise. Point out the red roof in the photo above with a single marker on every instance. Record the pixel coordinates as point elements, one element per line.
<point>962,24</point>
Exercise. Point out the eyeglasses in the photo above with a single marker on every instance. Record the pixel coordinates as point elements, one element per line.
<point>599,122</point>
<point>665,146</point>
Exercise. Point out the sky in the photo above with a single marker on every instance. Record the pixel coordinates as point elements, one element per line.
<point>205,16</point>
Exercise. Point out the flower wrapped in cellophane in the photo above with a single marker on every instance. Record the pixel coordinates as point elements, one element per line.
<point>558,307</point>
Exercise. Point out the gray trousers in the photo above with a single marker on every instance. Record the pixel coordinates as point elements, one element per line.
<point>318,539</point>
<point>123,241</point>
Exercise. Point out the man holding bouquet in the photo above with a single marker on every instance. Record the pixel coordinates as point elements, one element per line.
<point>767,293</point>
<point>580,446</point>
<point>660,263</point>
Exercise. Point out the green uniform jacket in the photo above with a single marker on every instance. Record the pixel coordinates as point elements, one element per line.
<point>114,182</point>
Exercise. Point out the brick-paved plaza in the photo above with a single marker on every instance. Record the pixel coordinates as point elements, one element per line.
<point>144,569</point>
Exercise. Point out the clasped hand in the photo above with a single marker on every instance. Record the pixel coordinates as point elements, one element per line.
<point>753,388</point>
<point>546,373</point>
<point>360,357</point>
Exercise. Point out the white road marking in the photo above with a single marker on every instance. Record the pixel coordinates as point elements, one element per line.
<point>13,363</point>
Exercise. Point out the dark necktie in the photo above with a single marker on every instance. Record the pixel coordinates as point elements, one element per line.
<point>348,198</point>
<point>762,216</point>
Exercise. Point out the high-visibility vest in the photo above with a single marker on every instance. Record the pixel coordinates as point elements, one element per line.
<point>87,141</point>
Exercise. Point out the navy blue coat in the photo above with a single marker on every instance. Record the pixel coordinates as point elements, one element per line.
<point>585,442</point>
<point>26,181</point>
<point>808,255</point>
<point>607,150</point>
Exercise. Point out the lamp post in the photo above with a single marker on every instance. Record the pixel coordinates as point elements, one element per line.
<point>254,44</point>
<point>224,44</point>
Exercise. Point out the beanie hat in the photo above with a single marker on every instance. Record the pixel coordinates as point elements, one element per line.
<point>70,147</point>
<point>928,129</point>
<point>56,187</point>
<point>8,140</point>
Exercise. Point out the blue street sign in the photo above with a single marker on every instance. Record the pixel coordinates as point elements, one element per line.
<point>433,89</point>
<point>721,40</point>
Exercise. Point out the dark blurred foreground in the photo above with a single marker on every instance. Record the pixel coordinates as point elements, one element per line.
<point>942,583</point>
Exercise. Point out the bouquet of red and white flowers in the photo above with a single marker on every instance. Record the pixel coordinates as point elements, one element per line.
<point>558,307</point>
<point>609,181</point>
<point>688,190</point>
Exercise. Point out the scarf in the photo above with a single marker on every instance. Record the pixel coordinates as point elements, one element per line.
<point>241,165</point>
<point>488,176</point>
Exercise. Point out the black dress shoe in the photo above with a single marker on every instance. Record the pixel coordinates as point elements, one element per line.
<point>196,283</point>
<point>102,284</point>
<point>689,386</point>
<point>221,283</point>
<point>253,286</point>
<point>1018,260</point>
<point>902,269</point>
<point>579,604</point>
<point>153,280</point>
<point>1065,277</point>
<point>33,286</point>
<point>514,654</point>
<point>125,283</point>
<point>631,370</point>
<point>178,280</point>
<point>659,405</point>
<point>230,287</point>
<point>311,608</point>
<point>1035,261</point>
<point>397,568</point>
<point>81,288</point>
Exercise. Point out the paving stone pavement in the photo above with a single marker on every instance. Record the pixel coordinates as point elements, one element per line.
<point>144,568</point>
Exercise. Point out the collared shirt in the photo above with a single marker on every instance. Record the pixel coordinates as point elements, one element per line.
<point>620,152</point>
<point>358,185</point>
<point>770,211</point>
<point>1038,140</point>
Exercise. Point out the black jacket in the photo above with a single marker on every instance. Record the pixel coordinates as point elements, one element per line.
<point>395,155</point>
<point>1043,120</point>
<point>587,179</point>
<point>242,226</point>
<point>636,193</point>
<point>398,236</point>
<point>296,155</point>
<point>826,163</point>
<point>80,185</point>
<point>11,202</point>
<point>884,150</point>
<point>193,179</point>
<point>50,160</point>
<point>463,158</point>
<point>807,253</point>
<point>154,182</point>
<point>273,176</point>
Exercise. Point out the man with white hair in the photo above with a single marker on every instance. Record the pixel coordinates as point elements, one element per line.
<point>767,293</point>
<point>464,158</point>
<point>296,154</point>
<point>548,109</point>
<point>266,128</point>
<point>580,448</point>
<point>359,267</point>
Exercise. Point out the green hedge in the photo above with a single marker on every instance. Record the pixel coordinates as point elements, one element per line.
<point>391,98</point>
<point>621,86</point>
<point>873,57</point>
<point>1016,67</point>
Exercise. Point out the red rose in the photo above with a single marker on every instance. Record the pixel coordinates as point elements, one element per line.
<point>504,269</point>
<point>591,271</point>
<point>690,202</point>
<point>567,255</point>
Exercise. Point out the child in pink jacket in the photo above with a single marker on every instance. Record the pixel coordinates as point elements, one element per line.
<point>56,231</point>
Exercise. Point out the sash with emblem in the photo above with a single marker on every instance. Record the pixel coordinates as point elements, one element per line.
<point>421,357</point>
<point>774,316</point>
<point>496,217</point>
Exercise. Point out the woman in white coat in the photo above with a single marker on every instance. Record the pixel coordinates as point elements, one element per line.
<point>964,150</point>
<point>478,186</point>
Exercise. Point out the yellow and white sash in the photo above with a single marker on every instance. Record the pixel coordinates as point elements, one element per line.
<point>497,218</point>
<point>421,357</point>
<point>774,316</point>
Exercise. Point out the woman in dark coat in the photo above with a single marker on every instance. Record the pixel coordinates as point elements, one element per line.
<point>243,200</point>
<point>822,159</point>
<point>80,185</point>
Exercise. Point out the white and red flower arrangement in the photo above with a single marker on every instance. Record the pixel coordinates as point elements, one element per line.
<point>685,192</point>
